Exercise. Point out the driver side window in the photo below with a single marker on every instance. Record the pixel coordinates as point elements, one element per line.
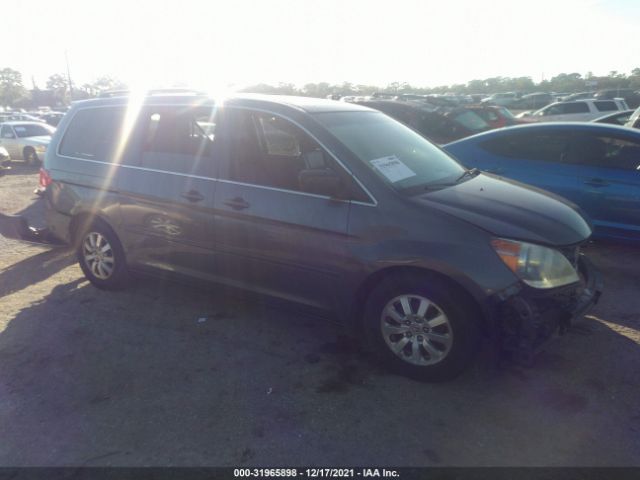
<point>268,150</point>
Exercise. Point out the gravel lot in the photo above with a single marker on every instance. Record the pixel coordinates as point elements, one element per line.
<point>168,374</point>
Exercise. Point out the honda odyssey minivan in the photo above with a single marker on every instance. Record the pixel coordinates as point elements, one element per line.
<point>326,204</point>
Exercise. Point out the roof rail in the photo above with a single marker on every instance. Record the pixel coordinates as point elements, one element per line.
<point>156,91</point>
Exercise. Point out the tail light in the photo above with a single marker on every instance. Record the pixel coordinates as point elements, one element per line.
<point>45,179</point>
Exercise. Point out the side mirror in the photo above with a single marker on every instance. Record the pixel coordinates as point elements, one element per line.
<point>321,182</point>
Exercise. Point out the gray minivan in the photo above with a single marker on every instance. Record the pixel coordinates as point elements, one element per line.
<point>330,205</point>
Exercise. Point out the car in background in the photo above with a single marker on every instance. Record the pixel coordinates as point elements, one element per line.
<point>23,117</point>
<point>494,115</point>
<point>577,96</point>
<point>440,125</point>
<point>502,99</point>
<point>630,96</point>
<point>5,159</point>
<point>26,140</point>
<point>616,118</point>
<point>577,111</point>
<point>634,119</point>
<point>594,165</point>
<point>532,101</point>
<point>52,118</point>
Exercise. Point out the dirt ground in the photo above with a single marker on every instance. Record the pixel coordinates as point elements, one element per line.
<point>168,374</point>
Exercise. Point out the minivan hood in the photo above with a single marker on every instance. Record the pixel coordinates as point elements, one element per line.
<point>510,209</point>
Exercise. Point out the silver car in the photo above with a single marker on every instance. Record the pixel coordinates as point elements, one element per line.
<point>26,140</point>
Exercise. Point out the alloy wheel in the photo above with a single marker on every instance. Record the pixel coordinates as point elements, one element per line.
<point>416,330</point>
<point>98,255</point>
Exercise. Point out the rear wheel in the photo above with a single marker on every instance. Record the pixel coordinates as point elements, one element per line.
<point>30,157</point>
<point>101,257</point>
<point>420,327</point>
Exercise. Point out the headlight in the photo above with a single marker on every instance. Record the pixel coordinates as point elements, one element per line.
<point>3,151</point>
<point>537,266</point>
<point>41,148</point>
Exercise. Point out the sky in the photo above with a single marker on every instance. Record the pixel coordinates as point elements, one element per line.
<point>217,45</point>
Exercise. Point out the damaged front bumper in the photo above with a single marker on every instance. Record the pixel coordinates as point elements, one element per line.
<point>527,317</point>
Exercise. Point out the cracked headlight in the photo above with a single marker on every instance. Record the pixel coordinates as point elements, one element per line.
<point>537,266</point>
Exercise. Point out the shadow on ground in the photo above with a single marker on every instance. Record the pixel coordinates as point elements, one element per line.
<point>168,374</point>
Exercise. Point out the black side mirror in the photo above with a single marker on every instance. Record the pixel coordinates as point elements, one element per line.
<point>321,182</point>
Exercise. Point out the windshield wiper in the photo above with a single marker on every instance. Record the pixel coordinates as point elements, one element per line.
<point>468,173</point>
<point>435,186</point>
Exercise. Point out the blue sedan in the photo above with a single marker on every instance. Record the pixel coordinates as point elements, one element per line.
<point>596,166</point>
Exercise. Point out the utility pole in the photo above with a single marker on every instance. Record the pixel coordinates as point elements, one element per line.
<point>66,57</point>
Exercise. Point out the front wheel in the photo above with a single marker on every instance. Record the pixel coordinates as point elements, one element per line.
<point>421,327</point>
<point>101,257</point>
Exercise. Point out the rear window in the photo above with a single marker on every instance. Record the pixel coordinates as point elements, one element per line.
<point>93,133</point>
<point>471,121</point>
<point>605,106</point>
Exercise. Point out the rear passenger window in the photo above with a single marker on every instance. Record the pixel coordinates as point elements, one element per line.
<point>577,107</point>
<point>93,134</point>
<point>605,106</point>
<point>178,139</point>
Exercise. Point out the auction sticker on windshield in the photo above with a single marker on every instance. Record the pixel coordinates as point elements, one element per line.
<point>392,168</point>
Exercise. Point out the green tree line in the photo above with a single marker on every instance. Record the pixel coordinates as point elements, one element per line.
<point>564,82</point>
<point>13,92</point>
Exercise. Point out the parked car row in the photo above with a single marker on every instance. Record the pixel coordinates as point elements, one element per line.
<point>48,117</point>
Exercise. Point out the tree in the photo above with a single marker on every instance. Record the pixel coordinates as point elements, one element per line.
<point>106,83</point>
<point>59,85</point>
<point>11,88</point>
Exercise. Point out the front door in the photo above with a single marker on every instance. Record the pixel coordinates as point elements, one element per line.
<point>537,159</point>
<point>274,237</point>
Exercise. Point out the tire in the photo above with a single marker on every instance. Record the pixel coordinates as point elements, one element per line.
<point>107,271</point>
<point>441,338</point>
<point>30,157</point>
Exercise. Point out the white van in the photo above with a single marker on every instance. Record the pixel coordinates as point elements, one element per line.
<point>576,111</point>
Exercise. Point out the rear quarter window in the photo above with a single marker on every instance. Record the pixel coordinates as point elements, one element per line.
<point>605,106</point>
<point>93,134</point>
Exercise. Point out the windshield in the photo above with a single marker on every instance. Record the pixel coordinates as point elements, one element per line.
<point>397,154</point>
<point>33,130</point>
<point>471,121</point>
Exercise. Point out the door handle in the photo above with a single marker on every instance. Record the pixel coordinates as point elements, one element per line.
<point>237,203</point>
<point>193,196</point>
<point>596,182</point>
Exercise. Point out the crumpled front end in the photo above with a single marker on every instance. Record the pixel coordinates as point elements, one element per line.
<point>525,317</point>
